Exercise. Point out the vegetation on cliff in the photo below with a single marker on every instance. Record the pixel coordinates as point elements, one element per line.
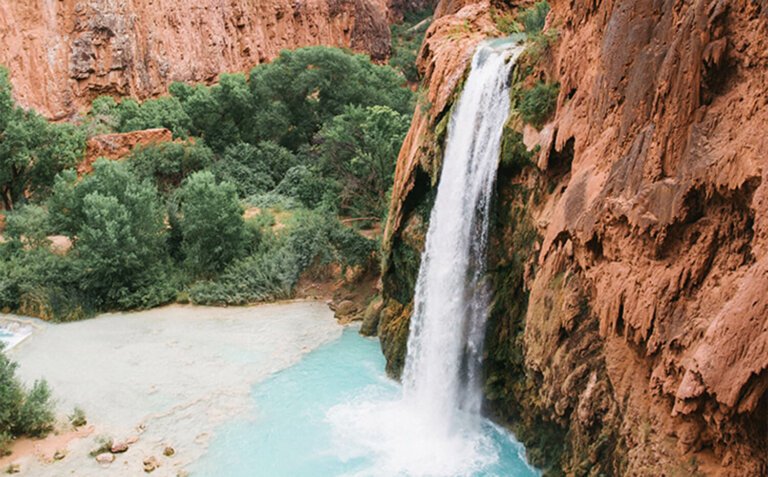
<point>310,137</point>
<point>407,37</point>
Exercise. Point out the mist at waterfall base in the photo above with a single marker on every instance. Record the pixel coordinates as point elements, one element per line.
<point>335,413</point>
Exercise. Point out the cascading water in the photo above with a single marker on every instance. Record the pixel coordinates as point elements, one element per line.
<point>436,429</point>
<point>442,371</point>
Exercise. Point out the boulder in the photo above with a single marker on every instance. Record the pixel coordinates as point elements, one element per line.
<point>105,458</point>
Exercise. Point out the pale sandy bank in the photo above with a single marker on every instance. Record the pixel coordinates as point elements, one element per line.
<point>167,376</point>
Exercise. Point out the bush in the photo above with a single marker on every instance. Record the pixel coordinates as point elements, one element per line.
<point>77,418</point>
<point>254,169</point>
<point>107,116</point>
<point>212,226</point>
<point>514,153</point>
<point>302,89</point>
<point>538,103</point>
<point>168,164</point>
<point>36,417</point>
<point>265,276</point>
<point>305,185</point>
<point>534,18</point>
<point>320,239</point>
<point>22,412</point>
<point>310,242</point>
<point>28,226</point>
<point>40,283</point>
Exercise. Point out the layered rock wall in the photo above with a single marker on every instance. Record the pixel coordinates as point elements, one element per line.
<point>630,330</point>
<point>63,53</point>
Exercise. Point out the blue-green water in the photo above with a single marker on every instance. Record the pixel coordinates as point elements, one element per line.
<point>335,413</point>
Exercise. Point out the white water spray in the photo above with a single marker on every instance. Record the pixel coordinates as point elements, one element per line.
<point>437,428</point>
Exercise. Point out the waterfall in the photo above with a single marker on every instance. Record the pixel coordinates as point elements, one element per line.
<point>443,365</point>
<point>435,428</point>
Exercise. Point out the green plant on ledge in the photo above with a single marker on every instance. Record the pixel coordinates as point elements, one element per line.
<point>538,103</point>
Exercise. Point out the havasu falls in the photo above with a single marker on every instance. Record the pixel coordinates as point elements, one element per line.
<point>336,413</point>
<point>436,428</point>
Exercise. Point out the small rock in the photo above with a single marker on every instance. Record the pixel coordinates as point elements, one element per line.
<point>169,451</point>
<point>13,469</point>
<point>151,464</point>
<point>105,458</point>
<point>132,440</point>
<point>59,454</point>
<point>345,308</point>
<point>119,447</point>
<point>182,473</point>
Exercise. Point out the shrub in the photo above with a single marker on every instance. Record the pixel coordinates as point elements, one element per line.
<point>32,150</point>
<point>77,418</point>
<point>28,226</point>
<point>302,89</point>
<point>254,169</point>
<point>305,185</point>
<point>538,103</point>
<point>265,276</point>
<point>514,154</point>
<point>169,163</point>
<point>36,417</point>
<point>212,226</point>
<point>533,18</point>
<point>22,412</point>
<point>310,241</point>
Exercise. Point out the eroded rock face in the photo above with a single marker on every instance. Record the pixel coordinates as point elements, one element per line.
<point>631,323</point>
<point>63,53</point>
<point>119,145</point>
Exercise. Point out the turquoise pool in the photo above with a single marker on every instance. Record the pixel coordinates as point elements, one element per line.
<point>335,413</point>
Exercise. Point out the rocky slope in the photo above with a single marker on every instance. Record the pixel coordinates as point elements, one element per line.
<point>63,53</point>
<point>629,334</point>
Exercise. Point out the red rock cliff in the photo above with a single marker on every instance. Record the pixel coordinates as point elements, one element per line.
<point>643,334</point>
<point>63,53</point>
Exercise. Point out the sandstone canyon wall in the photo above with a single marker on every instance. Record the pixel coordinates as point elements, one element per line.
<point>63,53</point>
<point>629,334</point>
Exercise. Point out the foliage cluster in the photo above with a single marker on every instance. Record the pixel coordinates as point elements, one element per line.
<point>407,37</point>
<point>538,102</point>
<point>27,412</point>
<point>32,150</point>
<point>313,135</point>
<point>533,18</point>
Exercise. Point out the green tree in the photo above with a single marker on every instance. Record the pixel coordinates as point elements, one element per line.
<point>116,224</point>
<point>213,230</point>
<point>218,113</point>
<point>32,150</point>
<point>304,88</point>
<point>359,149</point>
